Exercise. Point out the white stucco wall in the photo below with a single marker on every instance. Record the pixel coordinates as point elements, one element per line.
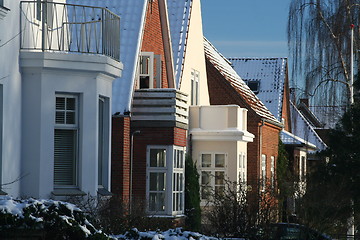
<point>195,57</point>
<point>44,75</point>
<point>10,79</point>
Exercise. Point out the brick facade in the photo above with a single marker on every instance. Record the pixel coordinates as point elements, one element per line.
<point>266,134</point>
<point>120,156</point>
<point>152,40</point>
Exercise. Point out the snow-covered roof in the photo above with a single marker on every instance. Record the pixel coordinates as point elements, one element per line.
<point>132,15</point>
<point>303,129</point>
<point>270,73</point>
<point>224,67</point>
<point>179,12</point>
<point>290,139</point>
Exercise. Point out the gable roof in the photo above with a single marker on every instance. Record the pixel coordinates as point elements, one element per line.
<point>229,74</point>
<point>132,16</point>
<point>290,139</point>
<point>179,12</point>
<point>271,73</point>
<point>303,129</point>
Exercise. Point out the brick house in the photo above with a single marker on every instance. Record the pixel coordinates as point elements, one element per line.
<point>226,87</point>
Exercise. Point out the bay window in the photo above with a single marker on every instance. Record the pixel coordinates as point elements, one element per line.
<point>165,174</point>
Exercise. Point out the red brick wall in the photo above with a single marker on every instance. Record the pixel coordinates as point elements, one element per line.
<point>285,112</point>
<point>120,156</point>
<point>151,136</point>
<point>152,39</point>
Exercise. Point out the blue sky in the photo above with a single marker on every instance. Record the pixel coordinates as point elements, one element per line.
<point>247,28</point>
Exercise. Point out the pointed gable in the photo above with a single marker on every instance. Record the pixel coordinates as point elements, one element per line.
<point>179,20</point>
<point>269,74</point>
<point>223,66</point>
<point>132,14</point>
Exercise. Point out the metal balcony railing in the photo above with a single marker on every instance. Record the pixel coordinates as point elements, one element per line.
<point>50,26</point>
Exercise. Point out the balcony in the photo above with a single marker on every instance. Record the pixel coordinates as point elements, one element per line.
<point>160,107</point>
<point>59,27</point>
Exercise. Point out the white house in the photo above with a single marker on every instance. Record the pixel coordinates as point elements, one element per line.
<point>55,94</point>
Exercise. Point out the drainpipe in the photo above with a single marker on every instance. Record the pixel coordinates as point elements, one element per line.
<point>131,165</point>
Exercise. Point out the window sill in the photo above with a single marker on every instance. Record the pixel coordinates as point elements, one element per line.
<point>3,12</point>
<point>68,192</point>
<point>104,192</point>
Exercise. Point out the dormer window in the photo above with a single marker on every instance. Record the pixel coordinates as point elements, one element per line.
<point>254,85</point>
<point>149,70</point>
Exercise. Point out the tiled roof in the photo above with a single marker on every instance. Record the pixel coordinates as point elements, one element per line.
<point>224,67</point>
<point>290,139</point>
<point>132,13</point>
<point>271,73</point>
<point>303,129</point>
<point>179,18</point>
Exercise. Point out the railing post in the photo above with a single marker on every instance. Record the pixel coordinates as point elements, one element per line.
<point>43,37</point>
<point>103,31</point>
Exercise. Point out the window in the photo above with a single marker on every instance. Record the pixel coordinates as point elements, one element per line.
<point>44,9</point>
<point>150,66</point>
<point>272,171</point>
<point>212,173</point>
<point>195,75</point>
<point>66,140</point>
<point>242,168</point>
<point>165,173</point>
<point>263,172</point>
<point>254,85</point>
<point>103,140</point>
<point>302,168</point>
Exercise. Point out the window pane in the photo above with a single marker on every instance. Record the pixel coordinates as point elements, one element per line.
<point>219,190</point>
<point>206,160</point>
<point>219,178</point>
<point>156,202</point>
<point>157,157</point>
<point>205,178</point>
<point>65,157</point>
<point>60,103</point>
<point>144,64</point>
<point>157,181</point>
<point>70,117</point>
<point>60,117</point>
<point>205,192</point>
<point>219,160</point>
<point>144,82</point>
<point>70,103</point>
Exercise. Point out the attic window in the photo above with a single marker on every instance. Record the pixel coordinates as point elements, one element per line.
<point>254,85</point>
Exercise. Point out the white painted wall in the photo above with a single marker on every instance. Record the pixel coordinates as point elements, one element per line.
<point>195,56</point>
<point>10,79</point>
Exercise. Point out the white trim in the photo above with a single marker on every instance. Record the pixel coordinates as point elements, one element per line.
<point>150,69</point>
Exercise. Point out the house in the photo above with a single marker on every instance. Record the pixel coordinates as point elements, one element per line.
<point>56,90</point>
<point>227,87</point>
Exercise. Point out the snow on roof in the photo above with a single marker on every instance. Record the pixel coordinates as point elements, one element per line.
<point>271,73</point>
<point>291,139</point>
<point>303,129</point>
<point>224,67</point>
<point>132,15</point>
<point>179,12</point>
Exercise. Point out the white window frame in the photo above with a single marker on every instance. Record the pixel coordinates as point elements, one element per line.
<point>174,186</point>
<point>272,171</point>
<point>195,81</point>
<point>242,168</point>
<point>212,169</point>
<point>263,172</point>
<point>150,73</point>
<point>103,141</point>
<point>74,127</point>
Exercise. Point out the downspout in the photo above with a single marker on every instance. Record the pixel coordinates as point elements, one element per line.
<point>165,29</point>
<point>260,143</point>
